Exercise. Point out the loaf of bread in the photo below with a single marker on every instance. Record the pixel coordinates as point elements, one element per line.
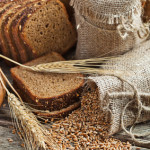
<point>2,92</point>
<point>32,28</point>
<point>4,19</point>
<point>10,16</point>
<point>47,91</point>
<point>4,6</point>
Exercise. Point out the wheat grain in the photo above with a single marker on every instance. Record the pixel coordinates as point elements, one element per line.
<point>86,128</point>
<point>84,137</point>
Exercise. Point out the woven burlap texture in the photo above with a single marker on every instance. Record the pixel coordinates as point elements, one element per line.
<point>109,27</point>
<point>131,88</point>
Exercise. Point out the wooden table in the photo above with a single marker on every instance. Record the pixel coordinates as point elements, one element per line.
<point>10,141</point>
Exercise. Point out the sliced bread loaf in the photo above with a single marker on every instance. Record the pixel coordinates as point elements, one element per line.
<point>3,8</point>
<point>48,29</point>
<point>17,54</point>
<point>7,9</point>
<point>4,20</point>
<point>48,91</point>
<point>23,51</point>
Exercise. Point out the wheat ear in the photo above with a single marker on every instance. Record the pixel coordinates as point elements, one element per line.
<point>34,134</point>
<point>86,66</point>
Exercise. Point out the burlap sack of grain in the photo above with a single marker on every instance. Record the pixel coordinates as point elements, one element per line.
<point>131,89</point>
<point>108,28</point>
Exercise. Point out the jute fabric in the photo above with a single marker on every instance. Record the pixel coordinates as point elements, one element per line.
<point>125,99</point>
<point>109,27</point>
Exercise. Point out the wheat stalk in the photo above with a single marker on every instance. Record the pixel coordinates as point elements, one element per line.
<point>34,134</point>
<point>85,66</point>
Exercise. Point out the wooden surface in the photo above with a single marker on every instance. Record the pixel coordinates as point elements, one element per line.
<point>10,141</point>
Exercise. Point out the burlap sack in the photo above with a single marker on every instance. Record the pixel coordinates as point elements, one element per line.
<point>131,90</point>
<point>108,28</point>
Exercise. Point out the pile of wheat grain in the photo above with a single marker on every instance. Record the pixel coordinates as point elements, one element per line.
<point>81,130</point>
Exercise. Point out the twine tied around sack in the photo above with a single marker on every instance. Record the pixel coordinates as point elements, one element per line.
<point>136,98</point>
<point>128,26</point>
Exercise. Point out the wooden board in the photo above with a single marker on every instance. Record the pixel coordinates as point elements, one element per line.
<point>8,139</point>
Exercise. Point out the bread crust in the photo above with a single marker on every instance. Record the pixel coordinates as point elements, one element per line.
<point>2,12</point>
<point>7,10</point>
<point>7,35</point>
<point>16,26</point>
<point>56,114</point>
<point>2,91</point>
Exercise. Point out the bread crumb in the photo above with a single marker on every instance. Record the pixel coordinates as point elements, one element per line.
<point>10,140</point>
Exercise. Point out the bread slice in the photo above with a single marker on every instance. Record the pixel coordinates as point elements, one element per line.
<point>48,29</point>
<point>24,52</point>
<point>4,21</point>
<point>48,91</point>
<point>4,6</point>
<point>57,114</point>
<point>7,9</point>
<point>17,54</point>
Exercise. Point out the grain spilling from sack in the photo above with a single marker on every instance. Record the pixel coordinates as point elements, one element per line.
<point>108,28</point>
<point>76,133</point>
<point>125,98</point>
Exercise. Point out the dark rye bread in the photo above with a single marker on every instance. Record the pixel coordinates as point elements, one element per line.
<point>6,10</point>
<point>17,54</point>
<point>44,35</point>
<point>48,91</point>
<point>23,51</point>
<point>2,3</point>
<point>57,114</point>
<point>4,20</point>
<point>3,8</point>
